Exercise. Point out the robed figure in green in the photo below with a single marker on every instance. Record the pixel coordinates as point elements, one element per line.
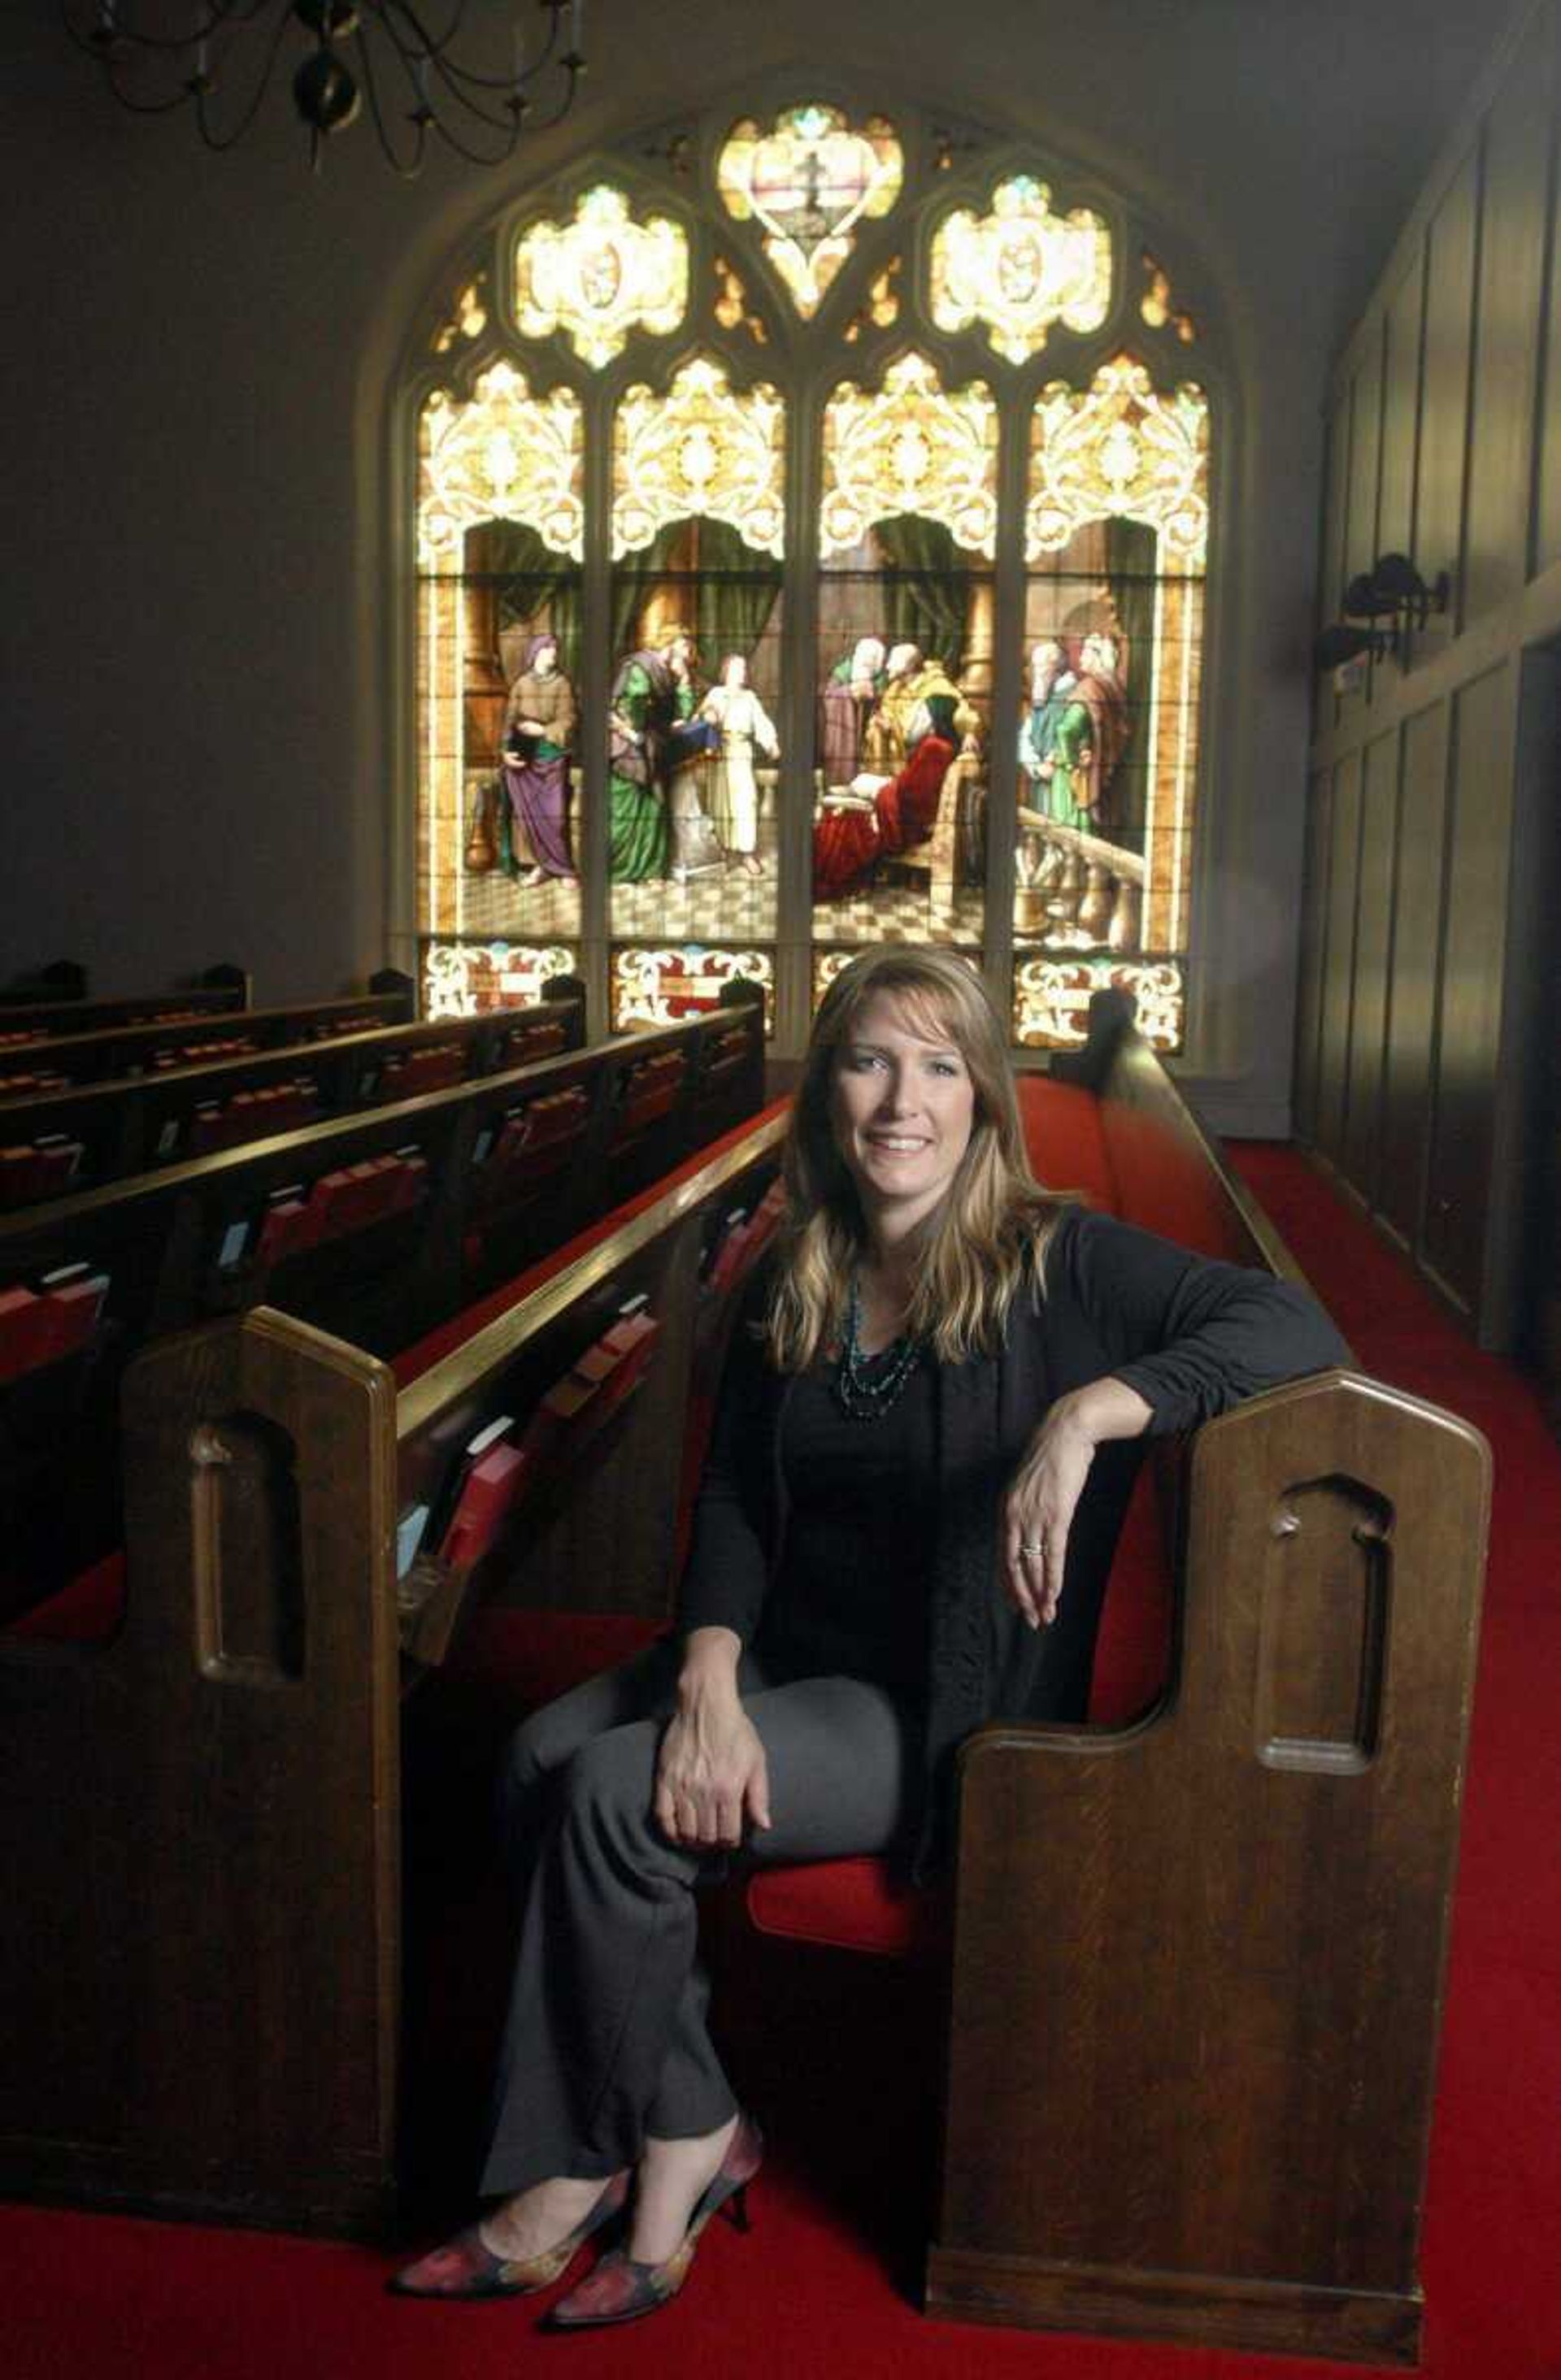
<point>652,692</point>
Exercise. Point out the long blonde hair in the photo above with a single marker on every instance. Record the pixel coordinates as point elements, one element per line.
<point>988,1234</point>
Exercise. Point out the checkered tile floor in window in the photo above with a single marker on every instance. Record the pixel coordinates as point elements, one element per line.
<point>728,906</point>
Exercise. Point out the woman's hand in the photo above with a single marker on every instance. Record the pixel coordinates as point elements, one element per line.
<point>1044,1494</point>
<point>710,1772</point>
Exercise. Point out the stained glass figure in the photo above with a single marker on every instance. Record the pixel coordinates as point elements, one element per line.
<point>1019,269</point>
<point>601,275</point>
<point>808,182</point>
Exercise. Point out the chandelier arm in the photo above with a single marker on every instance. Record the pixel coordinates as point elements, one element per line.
<point>479,157</point>
<point>221,14</point>
<point>416,48</point>
<point>424,46</point>
<point>257,97</point>
<point>407,172</point>
<point>575,67</point>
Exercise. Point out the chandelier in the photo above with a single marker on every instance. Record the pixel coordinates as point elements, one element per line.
<point>393,57</point>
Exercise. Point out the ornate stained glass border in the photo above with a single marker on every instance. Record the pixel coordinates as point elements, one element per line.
<point>657,983</point>
<point>470,979</point>
<point>1052,998</point>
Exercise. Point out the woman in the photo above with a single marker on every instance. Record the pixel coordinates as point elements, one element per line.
<point>923,1449</point>
<point>539,728</point>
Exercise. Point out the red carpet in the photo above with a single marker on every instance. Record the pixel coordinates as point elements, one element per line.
<point>825,2285</point>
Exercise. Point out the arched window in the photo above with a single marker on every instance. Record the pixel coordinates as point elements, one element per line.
<point>812,519</point>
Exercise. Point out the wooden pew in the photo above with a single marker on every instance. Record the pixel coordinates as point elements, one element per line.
<point>1196,1958</point>
<point>201,1814</point>
<point>376,1226</point>
<point>30,1067</point>
<point>86,1135</point>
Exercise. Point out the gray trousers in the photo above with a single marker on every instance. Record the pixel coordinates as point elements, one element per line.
<point>605,2037</point>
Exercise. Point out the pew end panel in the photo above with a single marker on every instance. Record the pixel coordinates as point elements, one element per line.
<point>212,2022</point>
<point>1197,1962</point>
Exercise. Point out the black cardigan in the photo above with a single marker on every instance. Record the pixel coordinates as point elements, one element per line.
<point>1193,1337</point>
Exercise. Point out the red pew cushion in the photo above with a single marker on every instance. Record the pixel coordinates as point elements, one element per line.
<point>1067,1147</point>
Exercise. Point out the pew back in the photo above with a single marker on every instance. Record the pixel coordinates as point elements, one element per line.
<point>54,1142</point>
<point>30,1067</point>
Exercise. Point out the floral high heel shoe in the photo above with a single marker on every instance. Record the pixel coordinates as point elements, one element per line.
<point>467,2268</point>
<point>619,2289</point>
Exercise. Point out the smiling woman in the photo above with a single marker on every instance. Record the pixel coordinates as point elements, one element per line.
<point>923,1448</point>
<point>904,1103</point>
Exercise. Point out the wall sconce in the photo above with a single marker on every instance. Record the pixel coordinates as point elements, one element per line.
<point>1391,591</point>
<point>1394,585</point>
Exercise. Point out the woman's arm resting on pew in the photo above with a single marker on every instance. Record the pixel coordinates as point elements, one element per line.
<point>710,1772</point>
<point>1186,1338</point>
<point>1038,1510</point>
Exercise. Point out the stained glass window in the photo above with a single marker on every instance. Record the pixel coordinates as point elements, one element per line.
<point>1116,530</point>
<point>600,276</point>
<point>809,182</point>
<point>662,736</point>
<point>500,522</point>
<point>1020,268</point>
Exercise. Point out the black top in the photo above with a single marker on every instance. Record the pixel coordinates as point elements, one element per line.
<point>850,1596</point>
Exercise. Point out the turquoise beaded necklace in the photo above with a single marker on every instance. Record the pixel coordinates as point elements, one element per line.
<point>866,1393</point>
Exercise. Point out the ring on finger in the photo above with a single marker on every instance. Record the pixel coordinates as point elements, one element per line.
<point>1032,1550</point>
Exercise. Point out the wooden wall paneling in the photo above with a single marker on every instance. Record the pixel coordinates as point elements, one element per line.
<point>1523,1240</point>
<point>1548,460</point>
<point>1379,803</point>
<point>1344,872</point>
<point>1515,205</point>
<point>1365,459</point>
<point>1449,304</point>
<point>1401,410</point>
<point>1313,937</point>
<point>1473,958</point>
<point>1413,969</point>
